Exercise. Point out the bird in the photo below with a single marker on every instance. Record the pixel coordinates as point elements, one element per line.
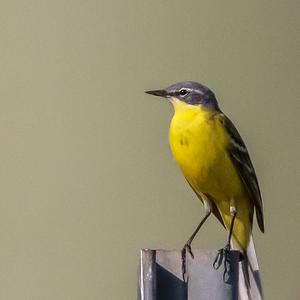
<point>216,164</point>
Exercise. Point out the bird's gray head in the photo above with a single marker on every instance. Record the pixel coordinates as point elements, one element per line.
<point>189,92</point>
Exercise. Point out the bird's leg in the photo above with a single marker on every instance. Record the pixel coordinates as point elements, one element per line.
<point>187,246</point>
<point>233,213</point>
<point>224,252</point>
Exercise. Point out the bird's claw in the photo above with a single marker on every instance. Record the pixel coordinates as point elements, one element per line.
<point>222,255</point>
<point>187,247</point>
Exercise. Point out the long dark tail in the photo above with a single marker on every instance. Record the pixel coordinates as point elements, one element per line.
<point>250,287</point>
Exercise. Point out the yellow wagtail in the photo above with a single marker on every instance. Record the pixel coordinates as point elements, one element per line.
<point>214,160</point>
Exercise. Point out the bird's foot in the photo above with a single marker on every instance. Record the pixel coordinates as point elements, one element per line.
<point>223,257</point>
<point>187,247</point>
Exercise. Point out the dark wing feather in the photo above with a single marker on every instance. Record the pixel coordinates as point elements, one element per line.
<point>241,160</point>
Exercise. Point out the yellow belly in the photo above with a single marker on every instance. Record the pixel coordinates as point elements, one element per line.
<point>198,142</point>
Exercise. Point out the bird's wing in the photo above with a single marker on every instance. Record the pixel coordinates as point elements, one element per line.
<point>241,160</point>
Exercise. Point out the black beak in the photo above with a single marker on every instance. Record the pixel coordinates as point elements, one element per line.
<point>159,93</point>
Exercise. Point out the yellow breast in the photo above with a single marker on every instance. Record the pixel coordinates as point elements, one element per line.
<point>198,142</point>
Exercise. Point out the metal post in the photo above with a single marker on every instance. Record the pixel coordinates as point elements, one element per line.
<point>147,275</point>
<point>160,276</point>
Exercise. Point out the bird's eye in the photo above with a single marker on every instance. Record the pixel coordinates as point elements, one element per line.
<point>183,92</point>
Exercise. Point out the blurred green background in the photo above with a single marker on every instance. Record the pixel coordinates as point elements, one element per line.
<point>86,176</point>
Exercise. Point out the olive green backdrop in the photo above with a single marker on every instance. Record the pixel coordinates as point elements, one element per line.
<point>86,175</point>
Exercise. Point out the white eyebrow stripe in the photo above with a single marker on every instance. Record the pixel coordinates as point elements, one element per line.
<point>198,92</point>
<point>183,88</point>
